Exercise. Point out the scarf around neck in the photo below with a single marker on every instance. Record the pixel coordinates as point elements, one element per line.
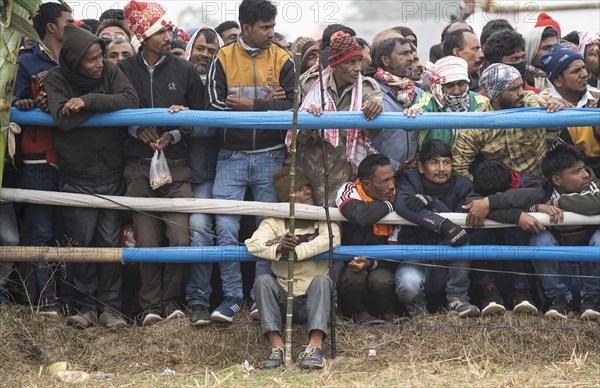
<point>356,143</point>
<point>404,87</point>
<point>383,230</point>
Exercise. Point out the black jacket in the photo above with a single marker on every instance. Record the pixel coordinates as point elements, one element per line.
<point>412,183</point>
<point>174,82</point>
<point>506,207</point>
<point>89,156</point>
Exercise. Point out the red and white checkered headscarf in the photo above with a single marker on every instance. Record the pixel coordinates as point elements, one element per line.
<point>145,19</point>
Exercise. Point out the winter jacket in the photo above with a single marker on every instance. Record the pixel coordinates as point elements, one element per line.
<point>316,241</point>
<point>234,70</point>
<point>88,156</point>
<point>521,149</point>
<point>429,104</point>
<point>397,144</point>
<point>587,202</point>
<point>412,183</point>
<point>173,82</point>
<point>361,216</point>
<point>37,141</point>
<point>506,207</point>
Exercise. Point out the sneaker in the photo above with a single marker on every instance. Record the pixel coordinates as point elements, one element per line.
<point>199,315</point>
<point>311,358</point>
<point>47,307</point>
<point>254,315</point>
<point>227,310</point>
<point>523,303</point>
<point>590,309</point>
<point>560,308</point>
<point>461,307</point>
<point>172,311</point>
<point>417,310</point>
<point>150,316</point>
<point>492,302</point>
<point>83,319</point>
<point>112,319</point>
<point>275,358</point>
<point>5,298</point>
<point>67,309</point>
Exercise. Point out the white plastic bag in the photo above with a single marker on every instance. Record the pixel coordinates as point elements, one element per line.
<point>159,171</point>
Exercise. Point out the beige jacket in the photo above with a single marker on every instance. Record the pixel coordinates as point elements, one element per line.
<point>304,270</point>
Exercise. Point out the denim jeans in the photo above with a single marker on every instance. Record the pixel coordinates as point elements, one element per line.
<point>313,308</point>
<point>99,284</point>
<point>235,171</point>
<point>555,285</point>
<point>198,289</point>
<point>414,281</point>
<point>506,236</point>
<point>42,220</point>
<point>9,236</point>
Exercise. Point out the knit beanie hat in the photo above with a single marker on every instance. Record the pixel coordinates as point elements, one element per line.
<point>343,47</point>
<point>496,78</point>
<point>544,20</point>
<point>145,19</point>
<point>557,59</point>
<point>282,182</point>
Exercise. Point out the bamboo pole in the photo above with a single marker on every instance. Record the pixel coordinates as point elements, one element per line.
<point>60,254</point>
<point>292,254</point>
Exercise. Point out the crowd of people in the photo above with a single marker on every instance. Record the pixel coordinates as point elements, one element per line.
<point>137,58</point>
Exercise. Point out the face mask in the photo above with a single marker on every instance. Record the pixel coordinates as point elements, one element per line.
<point>520,68</point>
<point>457,103</point>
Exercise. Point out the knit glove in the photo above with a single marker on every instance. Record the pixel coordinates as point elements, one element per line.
<point>418,202</point>
<point>457,235</point>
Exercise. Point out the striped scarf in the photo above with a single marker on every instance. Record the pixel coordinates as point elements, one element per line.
<point>356,143</point>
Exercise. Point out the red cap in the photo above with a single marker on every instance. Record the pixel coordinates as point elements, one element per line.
<point>544,20</point>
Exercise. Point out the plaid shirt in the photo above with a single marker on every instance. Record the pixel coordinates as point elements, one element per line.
<point>521,149</point>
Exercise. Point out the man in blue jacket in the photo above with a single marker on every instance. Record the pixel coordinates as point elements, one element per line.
<point>421,195</point>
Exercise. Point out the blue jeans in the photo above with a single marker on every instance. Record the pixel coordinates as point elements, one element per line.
<point>9,236</point>
<point>42,221</point>
<point>508,236</point>
<point>414,281</point>
<point>556,286</point>
<point>198,289</point>
<point>235,171</point>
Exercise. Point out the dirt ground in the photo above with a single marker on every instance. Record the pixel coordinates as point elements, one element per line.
<point>435,351</point>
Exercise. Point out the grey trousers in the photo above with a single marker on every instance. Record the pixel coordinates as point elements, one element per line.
<point>313,308</point>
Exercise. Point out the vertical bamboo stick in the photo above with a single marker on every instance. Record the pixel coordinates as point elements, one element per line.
<point>291,255</point>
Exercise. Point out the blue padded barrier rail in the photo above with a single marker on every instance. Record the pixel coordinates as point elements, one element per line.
<point>509,118</point>
<point>388,252</point>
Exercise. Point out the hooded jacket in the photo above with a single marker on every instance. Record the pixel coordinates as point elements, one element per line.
<point>87,156</point>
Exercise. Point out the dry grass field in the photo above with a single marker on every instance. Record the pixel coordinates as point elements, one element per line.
<point>435,351</point>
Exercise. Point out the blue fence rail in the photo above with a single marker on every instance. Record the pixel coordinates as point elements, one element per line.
<point>382,252</point>
<point>509,118</point>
